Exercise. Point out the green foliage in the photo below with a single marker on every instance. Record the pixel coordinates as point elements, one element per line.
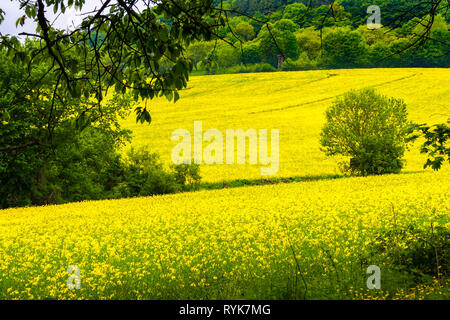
<point>118,47</point>
<point>379,54</point>
<point>53,148</point>
<point>371,129</point>
<point>227,56</point>
<point>56,149</point>
<point>401,55</point>
<point>425,256</point>
<point>151,53</point>
<point>296,12</point>
<point>437,144</point>
<point>144,175</point>
<point>278,42</point>
<point>199,51</point>
<point>245,31</point>
<point>87,168</point>
<point>350,43</point>
<point>302,63</point>
<point>187,175</point>
<point>338,37</point>
<point>308,41</point>
<point>250,53</point>
<point>376,36</point>
<point>344,48</point>
<point>285,25</point>
<point>250,68</point>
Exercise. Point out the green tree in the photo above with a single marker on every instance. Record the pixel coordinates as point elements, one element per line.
<point>227,56</point>
<point>286,25</point>
<point>344,48</point>
<point>250,53</point>
<point>379,55</point>
<point>199,51</point>
<point>308,41</point>
<point>372,129</point>
<point>128,55</point>
<point>245,31</point>
<point>296,12</point>
<point>401,53</point>
<point>50,143</point>
<point>435,52</point>
<point>278,42</point>
<point>373,36</point>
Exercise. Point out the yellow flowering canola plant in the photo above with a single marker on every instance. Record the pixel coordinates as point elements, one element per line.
<point>305,240</point>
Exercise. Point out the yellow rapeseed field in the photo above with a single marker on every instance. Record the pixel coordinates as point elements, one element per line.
<point>294,103</point>
<point>301,240</point>
<point>222,244</point>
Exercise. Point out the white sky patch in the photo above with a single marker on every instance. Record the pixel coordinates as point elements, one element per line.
<point>67,20</point>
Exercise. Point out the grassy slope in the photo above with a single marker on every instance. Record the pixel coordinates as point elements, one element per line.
<point>294,103</point>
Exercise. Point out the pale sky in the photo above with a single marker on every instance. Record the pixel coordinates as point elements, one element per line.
<point>70,18</point>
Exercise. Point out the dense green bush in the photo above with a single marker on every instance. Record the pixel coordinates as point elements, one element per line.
<point>187,176</point>
<point>302,63</point>
<point>371,129</point>
<point>144,175</point>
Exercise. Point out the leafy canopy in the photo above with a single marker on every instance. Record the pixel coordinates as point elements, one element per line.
<point>372,129</point>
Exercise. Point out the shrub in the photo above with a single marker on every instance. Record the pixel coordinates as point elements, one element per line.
<point>145,176</point>
<point>371,129</point>
<point>302,63</point>
<point>308,41</point>
<point>187,175</point>
<point>159,182</point>
<point>424,252</point>
<point>55,150</point>
<point>227,56</point>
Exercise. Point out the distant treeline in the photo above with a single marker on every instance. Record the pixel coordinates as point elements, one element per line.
<point>308,41</point>
<point>391,10</point>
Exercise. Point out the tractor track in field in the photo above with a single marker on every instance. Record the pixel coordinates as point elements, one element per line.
<point>333,97</point>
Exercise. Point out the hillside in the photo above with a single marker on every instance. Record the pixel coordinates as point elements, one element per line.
<point>226,244</point>
<point>306,240</point>
<point>178,151</point>
<point>294,103</point>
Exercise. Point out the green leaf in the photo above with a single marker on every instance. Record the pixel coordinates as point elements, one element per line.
<point>176,96</point>
<point>163,34</point>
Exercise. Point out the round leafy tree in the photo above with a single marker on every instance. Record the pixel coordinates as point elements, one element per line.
<point>372,129</point>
